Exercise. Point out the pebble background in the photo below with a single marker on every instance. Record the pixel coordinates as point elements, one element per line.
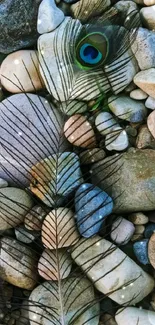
<point>77,175</point>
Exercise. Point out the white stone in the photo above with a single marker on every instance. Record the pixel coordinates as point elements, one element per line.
<point>49,17</point>
<point>105,123</point>
<point>135,316</point>
<point>117,139</point>
<point>138,94</point>
<point>150,102</point>
<point>112,271</point>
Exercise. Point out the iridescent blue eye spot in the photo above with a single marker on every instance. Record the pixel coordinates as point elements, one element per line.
<point>89,54</point>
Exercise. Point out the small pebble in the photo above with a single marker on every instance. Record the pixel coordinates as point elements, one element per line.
<point>92,206</point>
<point>20,72</point>
<point>25,236</point>
<point>151,250</point>
<point>140,249</point>
<point>146,81</point>
<point>33,220</point>
<point>90,156</point>
<point>105,123</point>
<point>49,17</point>
<point>54,265</point>
<point>138,218</point>
<point>117,139</point>
<point>151,123</point>
<point>122,231</point>
<point>59,229</point>
<point>79,132</point>
<point>150,102</point>
<point>3,183</point>
<point>144,138</point>
<point>138,94</point>
<point>149,230</point>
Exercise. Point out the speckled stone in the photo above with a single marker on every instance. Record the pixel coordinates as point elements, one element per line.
<point>140,249</point>
<point>59,221</point>
<point>92,206</point>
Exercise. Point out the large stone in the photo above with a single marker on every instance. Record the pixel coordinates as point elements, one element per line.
<point>129,178</point>
<point>135,316</point>
<point>18,20</point>
<point>18,264</point>
<point>112,271</point>
<point>76,301</point>
<point>30,131</point>
<point>14,205</point>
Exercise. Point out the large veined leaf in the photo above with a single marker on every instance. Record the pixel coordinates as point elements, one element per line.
<point>62,268</point>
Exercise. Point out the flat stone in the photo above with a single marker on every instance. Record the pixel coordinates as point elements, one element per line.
<point>14,205</point>
<point>49,16</point>
<point>127,108</point>
<point>122,231</point>
<point>129,178</point>
<point>60,221</point>
<point>113,272</point>
<point>146,81</point>
<point>140,249</point>
<point>76,295</point>
<point>138,94</point>
<point>20,72</point>
<point>33,133</point>
<point>54,265</point>
<point>133,316</point>
<point>56,177</point>
<point>79,132</point>
<point>151,250</point>
<point>92,206</point>
<point>18,264</point>
<point>18,22</point>
<point>143,49</point>
<point>138,218</point>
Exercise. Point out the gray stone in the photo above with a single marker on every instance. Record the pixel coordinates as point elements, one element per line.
<point>143,48</point>
<point>112,271</point>
<point>3,183</point>
<point>135,316</point>
<point>49,16</point>
<point>25,236</point>
<point>18,20</point>
<point>150,103</point>
<point>76,294</point>
<point>18,264</point>
<point>83,9</point>
<point>129,178</point>
<point>31,129</point>
<point>14,205</point>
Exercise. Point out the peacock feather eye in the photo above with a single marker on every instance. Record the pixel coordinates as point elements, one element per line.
<point>92,50</point>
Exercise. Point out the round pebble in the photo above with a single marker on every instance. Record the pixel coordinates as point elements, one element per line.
<point>20,72</point>
<point>117,139</point>
<point>105,123</point>
<point>122,230</point>
<point>150,102</point>
<point>151,250</point>
<point>33,220</point>
<point>138,218</point>
<point>140,249</point>
<point>79,132</point>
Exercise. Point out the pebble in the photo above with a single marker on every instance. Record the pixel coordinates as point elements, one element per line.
<point>149,230</point>
<point>34,218</point>
<point>14,204</point>
<point>79,132</point>
<point>71,288</point>
<point>105,123</point>
<point>90,156</point>
<point>25,236</point>
<point>20,72</point>
<point>138,94</point>
<point>83,9</point>
<point>107,278</point>
<point>56,177</point>
<point>18,22</point>
<point>73,107</point>
<point>135,167</point>
<point>122,230</point>
<point>146,81</point>
<point>31,119</point>
<point>151,123</point>
<point>135,316</point>
<point>24,314</point>
<point>18,264</point>
<point>59,221</point>
<point>49,17</point>
<point>150,102</point>
<point>144,138</point>
<point>138,218</point>
<point>107,319</point>
<point>140,249</point>
<point>54,265</point>
<point>143,49</point>
<point>92,206</point>
<point>148,17</point>
<point>117,139</point>
<point>3,183</point>
<point>127,108</point>
<point>151,250</point>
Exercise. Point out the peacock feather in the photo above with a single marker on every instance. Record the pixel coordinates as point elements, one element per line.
<point>56,214</point>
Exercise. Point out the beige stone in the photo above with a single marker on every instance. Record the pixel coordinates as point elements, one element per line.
<point>151,250</point>
<point>151,123</point>
<point>138,218</point>
<point>146,81</point>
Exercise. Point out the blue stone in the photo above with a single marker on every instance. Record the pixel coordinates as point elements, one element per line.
<point>92,206</point>
<point>149,230</point>
<point>140,249</point>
